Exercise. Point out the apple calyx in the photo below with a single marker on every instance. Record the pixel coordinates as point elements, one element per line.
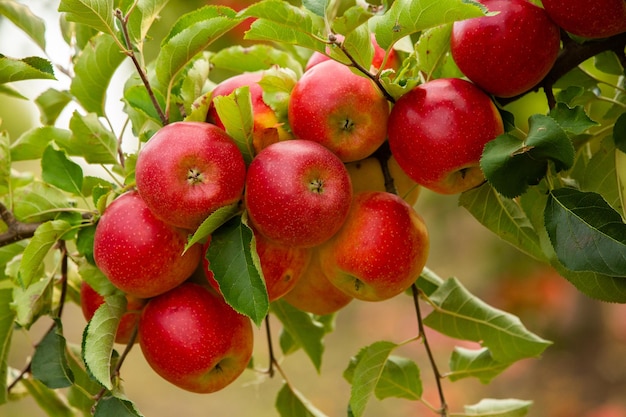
<point>195,176</point>
<point>317,186</point>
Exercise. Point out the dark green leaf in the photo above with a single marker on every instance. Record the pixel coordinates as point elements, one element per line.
<point>95,13</point>
<point>587,234</point>
<point>31,144</point>
<point>400,379</point>
<point>212,223</point>
<point>51,103</point>
<point>23,17</point>
<point>12,70</point>
<point>476,363</point>
<point>57,169</point>
<point>572,119</point>
<point>7,316</point>
<point>253,58</point>
<point>619,132</point>
<point>116,407</point>
<point>49,364</point>
<point>291,403</point>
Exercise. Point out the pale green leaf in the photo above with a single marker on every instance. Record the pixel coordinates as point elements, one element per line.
<point>235,112</point>
<point>90,139</point>
<point>475,363</point>
<point>498,408</point>
<point>32,143</point>
<point>212,223</point>
<point>51,103</point>
<point>30,68</point>
<point>254,58</point>
<point>22,17</point>
<point>50,401</point>
<point>143,16</point>
<point>291,403</point>
<point>400,379</point>
<point>33,302</point>
<point>5,161</point>
<point>95,13</point>
<point>7,316</point>
<point>39,202</point>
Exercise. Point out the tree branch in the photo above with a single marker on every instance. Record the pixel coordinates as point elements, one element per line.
<point>16,230</point>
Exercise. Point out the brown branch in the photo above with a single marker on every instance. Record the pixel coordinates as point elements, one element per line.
<point>16,230</point>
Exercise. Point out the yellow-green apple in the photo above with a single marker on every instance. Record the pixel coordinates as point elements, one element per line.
<point>194,340</point>
<point>379,251</point>
<point>507,53</point>
<point>314,293</point>
<point>588,19</point>
<point>187,170</point>
<point>267,129</point>
<point>343,111</point>
<point>138,252</point>
<point>437,132</point>
<point>90,300</point>
<point>297,193</point>
<point>367,175</point>
<point>393,60</point>
<point>281,265</point>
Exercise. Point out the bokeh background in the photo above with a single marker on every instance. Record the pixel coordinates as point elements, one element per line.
<point>582,374</point>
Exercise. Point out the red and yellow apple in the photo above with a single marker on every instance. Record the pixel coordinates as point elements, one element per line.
<point>194,340</point>
<point>437,132</point>
<point>588,19</point>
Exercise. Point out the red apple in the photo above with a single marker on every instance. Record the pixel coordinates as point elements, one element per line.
<point>281,265</point>
<point>437,132</point>
<point>297,193</point>
<point>343,111</point>
<point>187,170</point>
<point>380,250</point>
<point>138,252</point>
<point>588,19</point>
<point>194,340</point>
<point>90,300</point>
<point>508,53</point>
<point>267,129</point>
<point>314,293</point>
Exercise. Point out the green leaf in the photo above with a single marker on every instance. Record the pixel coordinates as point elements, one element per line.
<point>477,363</point>
<point>32,143</point>
<point>572,119</point>
<point>277,84</point>
<point>191,34</point>
<point>364,373</point>
<point>33,302</point>
<point>212,223</point>
<point>619,132</point>
<point>94,68</point>
<point>406,17</point>
<point>304,330</point>
<point>7,316</point>
<point>5,161</point>
<point>291,403</point>
<point>498,408</point>
<point>587,234</point>
<point>400,379</point>
<point>358,44</point>
<point>52,402</point>
<point>90,140</point>
<point>49,364</point>
<point>82,393</point>
<point>97,14</point>
<point>118,407</point>
<point>23,18</point>
<point>433,52</point>
<point>39,202</point>
<point>351,19</point>
<point>254,58</point>
<point>96,279</point>
<point>99,337</point>
<point>461,315</point>
<point>235,112</point>
<point>138,99</point>
<point>8,253</point>
<point>316,6</point>
<point>11,92</point>
<point>511,165</point>
<point>504,217</point>
<point>30,68</point>
<point>45,237</point>
<point>231,261</point>
<point>51,103</point>
<point>144,14</point>
<point>57,169</point>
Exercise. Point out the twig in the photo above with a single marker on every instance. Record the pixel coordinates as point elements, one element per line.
<point>16,230</point>
<point>270,348</point>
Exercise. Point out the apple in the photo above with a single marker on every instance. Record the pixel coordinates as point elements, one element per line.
<point>393,60</point>
<point>437,132</point>
<point>90,300</point>
<point>297,193</point>
<point>194,340</point>
<point>507,53</point>
<point>138,252</point>
<point>588,19</point>
<point>380,250</point>
<point>343,111</point>
<point>267,129</point>
<point>314,293</point>
<point>282,265</point>
<point>187,170</point>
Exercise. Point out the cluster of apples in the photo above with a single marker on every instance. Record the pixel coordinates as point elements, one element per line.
<point>326,230</point>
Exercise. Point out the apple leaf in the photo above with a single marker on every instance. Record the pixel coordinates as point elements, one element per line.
<point>5,162</point>
<point>400,379</point>
<point>364,373</point>
<point>572,119</point>
<point>39,202</point>
<point>52,402</point>
<point>90,140</point>
<point>82,393</point>
<point>231,261</point>
<point>33,302</point>
<point>115,407</point>
<point>22,17</point>
<point>459,314</point>
<point>428,281</point>
<point>277,84</point>
<point>94,68</point>
<point>235,112</point>
<point>49,364</point>
<point>139,103</point>
<point>358,45</point>
<point>58,170</point>
<point>619,132</point>
<point>433,52</point>
<point>303,329</point>
<point>254,58</point>
<point>7,316</point>
<point>99,337</point>
<point>212,223</point>
<point>498,408</point>
<point>291,403</point>
<point>32,143</point>
<point>140,19</point>
<point>511,165</point>
<point>406,17</point>
<point>477,363</point>
<point>29,68</point>
<point>97,14</point>
<point>351,19</point>
<point>587,234</point>
<point>51,103</point>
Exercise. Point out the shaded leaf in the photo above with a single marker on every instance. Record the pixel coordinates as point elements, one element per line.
<point>291,403</point>
<point>49,364</point>
<point>572,119</point>
<point>51,103</point>
<point>476,363</point>
<point>7,316</point>
<point>400,379</point>
<point>118,407</point>
<point>51,401</point>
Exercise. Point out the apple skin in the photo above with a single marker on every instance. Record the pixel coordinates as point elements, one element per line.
<point>267,129</point>
<point>194,340</point>
<point>138,252</point>
<point>509,53</point>
<point>339,109</point>
<point>437,132</point>
<point>297,193</point>
<point>187,170</point>
<point>90,300</point>
<point>314,293</point>
<point>282,265</point>
<point>588,19</point>
<point>380,250</point>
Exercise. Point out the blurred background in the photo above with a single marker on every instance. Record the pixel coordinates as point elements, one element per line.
<point>582,374</point>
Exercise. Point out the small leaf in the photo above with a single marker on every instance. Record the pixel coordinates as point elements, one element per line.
<point>95,13</point>
<point>231,262</point>
<point>61,172</point>
<point>52,402</point>
<point>33,302</point>
<point>31,144</point>
<point>433,51</point>
<point>587,234</point>
<point>49,364</point>
<point>235,112</point>
<point>143,16</point>
<point>291,403</point>
<point>23,17</point>
<point>477,363</point>
<point>254,58</point>
<point>51,103</point>
<point>7,316</point>
<point>82,393</point>
<point>498,408</point>
<point>212,223</point>
<point>31,68</point>
<point>118,407</point>
<point>5,162</point>
<point>90,140</point>
<point>400,379</point>
<point>572,119</point>
<point>351,19</point>
<point>619,132</point>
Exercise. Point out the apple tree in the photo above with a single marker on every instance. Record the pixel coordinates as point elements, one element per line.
<point>439,112</point>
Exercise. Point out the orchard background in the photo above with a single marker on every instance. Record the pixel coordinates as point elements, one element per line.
<point>498,251</point>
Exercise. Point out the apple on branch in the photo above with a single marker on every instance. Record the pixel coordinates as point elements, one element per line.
<point>588,19</point>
